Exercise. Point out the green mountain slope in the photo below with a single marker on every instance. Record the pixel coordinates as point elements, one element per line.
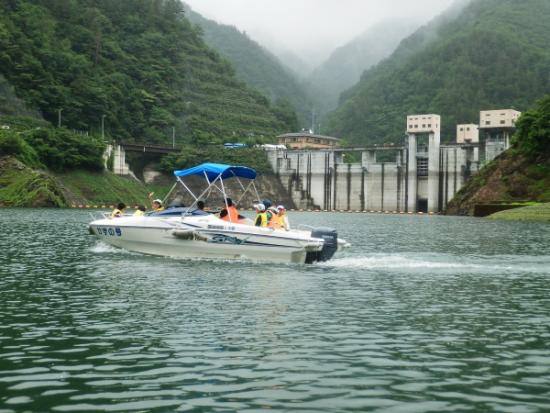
<point>142,64</point>
<point>10,104</point>
<point>345,65</point>
<point>253,64</point>
<point>493,54</point>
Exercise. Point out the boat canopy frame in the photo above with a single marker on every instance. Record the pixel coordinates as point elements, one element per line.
<point>214,175</point>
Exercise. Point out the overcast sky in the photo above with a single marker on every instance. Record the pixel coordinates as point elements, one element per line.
<point>311,28</point>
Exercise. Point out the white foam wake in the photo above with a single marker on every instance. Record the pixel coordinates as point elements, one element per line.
<point>103,248</point>
<point>443,263</point>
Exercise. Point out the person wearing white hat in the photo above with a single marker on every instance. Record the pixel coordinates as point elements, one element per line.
<point>156,204</point>
<point>282,218</point>
<point>261,216</point>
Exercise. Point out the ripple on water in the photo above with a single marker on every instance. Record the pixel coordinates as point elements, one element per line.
<point>436,314</point>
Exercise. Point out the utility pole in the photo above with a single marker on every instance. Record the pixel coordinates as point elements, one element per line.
<point>173,137</point>
<point>312,120</point>
<point>103,127</point>
<point>59,117</point>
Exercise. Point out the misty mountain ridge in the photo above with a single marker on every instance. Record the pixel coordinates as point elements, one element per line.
<point>491,54</point>
<point>345,65</point>
<point>254,65</point>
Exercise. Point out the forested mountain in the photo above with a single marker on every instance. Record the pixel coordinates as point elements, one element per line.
<point>141,63</point>
<point>346,64</point>
<point>253,64</point>
<point>493,54</point>
<point>10,104</point>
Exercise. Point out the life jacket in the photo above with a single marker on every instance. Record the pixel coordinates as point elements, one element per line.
<point>116,213</point>
<point>261,219</point>
<point>276,222</point>
<point>232,214</point>
<point>159,209</point>
<point>138,213</point>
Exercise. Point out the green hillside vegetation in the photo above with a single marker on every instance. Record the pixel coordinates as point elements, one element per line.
<point>39,145</point>
<point>494,54</point>
<point>257,67</point>
<point>104,188</point>
<point>142,64</point>
<point>10,104</point>
<point>521,173</point>
<point>345,65</point>
<point>43,166</point>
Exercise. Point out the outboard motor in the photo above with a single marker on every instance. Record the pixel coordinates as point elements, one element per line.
<point>330,236</point>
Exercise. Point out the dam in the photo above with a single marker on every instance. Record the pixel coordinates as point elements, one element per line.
<point>421,175</point>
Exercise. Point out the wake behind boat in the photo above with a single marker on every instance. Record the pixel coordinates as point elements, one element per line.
<point>193,233</point>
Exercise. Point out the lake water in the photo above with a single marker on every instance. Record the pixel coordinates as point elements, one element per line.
<point>421,314</point>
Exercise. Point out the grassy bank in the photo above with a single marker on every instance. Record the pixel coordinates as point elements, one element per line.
<point>533,213</point>
<point>24,187</point>
<point>104,188</point>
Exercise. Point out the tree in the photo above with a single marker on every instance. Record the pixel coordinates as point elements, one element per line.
<point>533,130</point>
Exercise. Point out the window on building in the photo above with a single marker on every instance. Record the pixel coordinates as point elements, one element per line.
<point>423,126</point>
<point>468,129</point>
<point>410,126</point>
<point>422,166</point>
<point>487,122</point>
<point>502,122</point>
<point>461,129</point>
<point>429,125</point>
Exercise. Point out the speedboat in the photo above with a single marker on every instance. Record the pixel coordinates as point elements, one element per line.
<point>187,232</point>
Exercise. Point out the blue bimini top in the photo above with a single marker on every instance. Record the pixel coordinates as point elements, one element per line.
<point>213,170</point>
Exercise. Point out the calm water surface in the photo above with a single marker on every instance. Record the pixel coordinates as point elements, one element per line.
<point>422,314</point>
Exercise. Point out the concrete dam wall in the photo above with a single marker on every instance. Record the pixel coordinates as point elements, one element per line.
<point>419,179</point>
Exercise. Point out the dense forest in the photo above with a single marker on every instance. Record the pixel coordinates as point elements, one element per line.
<point>255,66</point>
<point>139,65</point>
<point>345,65</point>
<point>493,54</point>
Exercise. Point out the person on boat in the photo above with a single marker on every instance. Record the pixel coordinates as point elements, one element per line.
<point>261,216</point>
<point>200,208</point>
<point>271,212</point>
<point>232,212</point>
<point>280,220</point>
<point>156,204</point>
<point>119,210</point>
<point>140,211</point>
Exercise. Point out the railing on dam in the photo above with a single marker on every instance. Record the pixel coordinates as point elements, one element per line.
<point>148,148</point>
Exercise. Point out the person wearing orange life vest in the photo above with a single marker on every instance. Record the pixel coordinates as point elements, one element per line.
<point>281,219</point>
<point>271,213</point>
<point>232,212</point>
<point>261,216</point>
